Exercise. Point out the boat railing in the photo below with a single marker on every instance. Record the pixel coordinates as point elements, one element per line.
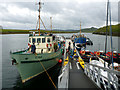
<point>18,50</point>
<point>104,78</point>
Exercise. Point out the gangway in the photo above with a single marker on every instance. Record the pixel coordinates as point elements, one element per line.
<point>77,78</point>
<point>72,76</point>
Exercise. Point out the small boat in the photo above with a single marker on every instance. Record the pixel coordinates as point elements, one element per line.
<point>88,41</point>
<point>107,56</point>
<point>102,55</point>
<point>86,55</point>
<point>43,53</point>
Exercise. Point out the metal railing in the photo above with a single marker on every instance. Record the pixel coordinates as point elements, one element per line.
<point>103,77</point>
<point>64,78</point>
<point>18,50</point>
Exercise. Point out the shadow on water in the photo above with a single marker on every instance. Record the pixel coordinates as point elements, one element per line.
<point>41,81</point>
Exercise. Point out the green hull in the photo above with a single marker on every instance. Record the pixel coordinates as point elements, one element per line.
<point>29,65</point>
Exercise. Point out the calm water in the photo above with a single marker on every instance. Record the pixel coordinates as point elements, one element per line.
<point>10,76</point>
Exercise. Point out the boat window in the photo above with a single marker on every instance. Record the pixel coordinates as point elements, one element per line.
<point>33,40</point>
<point>48,40</point>
<point>43,40</point>
<point>38,40</point>
<point>29,40</point>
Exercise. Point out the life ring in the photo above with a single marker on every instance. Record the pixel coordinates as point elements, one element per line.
<point>98,53</point>
<point>29,45</point>
<point>82,52</point>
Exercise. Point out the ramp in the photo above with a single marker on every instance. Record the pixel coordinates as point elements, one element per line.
<point>78,79</point>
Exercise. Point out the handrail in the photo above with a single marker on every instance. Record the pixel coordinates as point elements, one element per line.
<point>103,77</point>
<point>18,50</point>
<point>64,77</point>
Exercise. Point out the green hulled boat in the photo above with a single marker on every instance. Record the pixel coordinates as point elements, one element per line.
<point>29,65</point>
<point>43,51</point>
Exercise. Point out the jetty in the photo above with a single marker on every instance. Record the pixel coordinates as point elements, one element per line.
<point>74,75</point>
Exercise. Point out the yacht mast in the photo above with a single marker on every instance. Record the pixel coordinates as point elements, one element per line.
<point>111,35</point>
<point>106,32</point>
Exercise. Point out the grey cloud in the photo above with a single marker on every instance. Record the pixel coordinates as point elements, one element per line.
<point>70,14</point>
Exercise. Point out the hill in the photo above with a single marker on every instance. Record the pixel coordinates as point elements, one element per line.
<point>115,30</point>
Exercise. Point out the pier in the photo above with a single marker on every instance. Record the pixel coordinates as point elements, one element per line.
<point>78,79</point>
<point>73,75</point>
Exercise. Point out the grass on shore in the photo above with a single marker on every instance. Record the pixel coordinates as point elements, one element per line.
<point>115,30</point>
<point>13,31</point>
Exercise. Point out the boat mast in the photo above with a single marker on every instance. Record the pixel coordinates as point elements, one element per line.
<point>51,23</point>
<point>111,35</point>
<point>106,32</point>
<point>39,16</point>
<point>80,28</point>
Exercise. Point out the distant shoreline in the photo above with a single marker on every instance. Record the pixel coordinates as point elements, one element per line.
<point>42,32</point>
<point>115,30</point>
<point>14,31</point>
<point>104,33</point>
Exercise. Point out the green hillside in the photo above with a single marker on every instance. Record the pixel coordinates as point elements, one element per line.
<point>89,30</point>
<point>115,30</point>
<point>13,31</point>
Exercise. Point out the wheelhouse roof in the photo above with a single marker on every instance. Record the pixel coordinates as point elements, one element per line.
<point>41,36</point>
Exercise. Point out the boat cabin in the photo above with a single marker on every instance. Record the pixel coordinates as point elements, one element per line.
<point>43,43</point>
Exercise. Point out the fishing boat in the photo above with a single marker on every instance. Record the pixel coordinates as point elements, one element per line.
<point>43,53</point>
<point>79,40</point>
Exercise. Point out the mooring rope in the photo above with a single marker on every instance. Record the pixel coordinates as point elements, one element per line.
<point>48,75</point>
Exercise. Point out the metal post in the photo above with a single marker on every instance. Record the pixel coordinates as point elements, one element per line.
<point>98,77</point>
<point>111,35</point>
<point>106,31</point>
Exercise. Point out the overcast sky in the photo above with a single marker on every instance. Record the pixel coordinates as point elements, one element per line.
<point>65,14</point>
